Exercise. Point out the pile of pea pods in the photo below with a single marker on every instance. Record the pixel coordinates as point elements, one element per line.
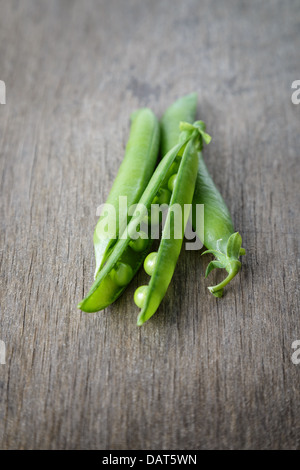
<point>180,179</point>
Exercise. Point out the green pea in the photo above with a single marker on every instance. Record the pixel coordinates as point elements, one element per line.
<point>140,296</point>
<point>163,196</point>
<point>149,263</point>
<point>173,169</point>
<point>140,243</point>
<point>172,182</point>
<point>122,274</point>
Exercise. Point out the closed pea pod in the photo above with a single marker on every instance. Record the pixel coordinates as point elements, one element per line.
<point>219,235</point>
<point>133,176</point>
<point>183,109</point>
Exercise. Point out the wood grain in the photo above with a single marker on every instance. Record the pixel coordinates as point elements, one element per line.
<point>203,373</point>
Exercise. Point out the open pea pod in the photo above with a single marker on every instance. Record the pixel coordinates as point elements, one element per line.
<point>161,265</point>
<point>133,176</point>
<point>131,248</point>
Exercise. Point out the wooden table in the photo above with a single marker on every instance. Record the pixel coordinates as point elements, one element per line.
<point>202,373</point>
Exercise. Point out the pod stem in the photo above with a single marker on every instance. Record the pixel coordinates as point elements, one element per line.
<point>198,129</point>
<point>228,261</point>
<point>232,270</point>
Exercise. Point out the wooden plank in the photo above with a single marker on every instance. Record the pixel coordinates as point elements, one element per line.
<point>202,373</point>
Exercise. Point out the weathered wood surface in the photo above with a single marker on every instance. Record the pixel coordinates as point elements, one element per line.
<point>203,373</point>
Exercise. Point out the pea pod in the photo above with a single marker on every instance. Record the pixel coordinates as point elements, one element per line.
<point>161,266</point>
<point>109,282</point>
<point>183,109</point>
<point>133,176</point>
<point>219,235</point>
